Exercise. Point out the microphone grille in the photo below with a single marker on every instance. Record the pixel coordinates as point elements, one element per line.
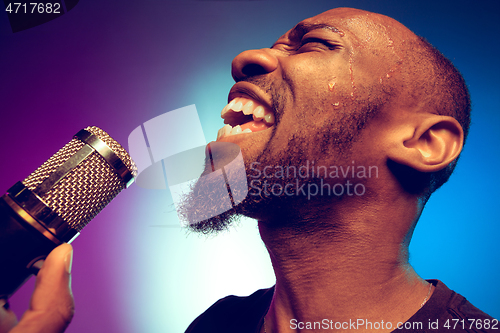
<point>52,164</point>
<point>115,147</point>
<point>87,187</point>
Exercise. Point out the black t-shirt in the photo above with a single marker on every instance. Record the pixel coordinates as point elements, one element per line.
<point>445,311</point>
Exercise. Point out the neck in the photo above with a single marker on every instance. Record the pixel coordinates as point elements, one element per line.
<point>341,270</point>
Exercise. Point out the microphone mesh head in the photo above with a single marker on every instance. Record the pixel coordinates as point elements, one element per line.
<point>52,164</point>
<point>88,187</point>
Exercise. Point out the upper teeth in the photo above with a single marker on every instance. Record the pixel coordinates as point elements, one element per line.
<point>263,117</point>
<point>248,107</point>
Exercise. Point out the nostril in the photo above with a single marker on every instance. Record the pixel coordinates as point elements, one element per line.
<point>253,63</point>
<point>253,70</point>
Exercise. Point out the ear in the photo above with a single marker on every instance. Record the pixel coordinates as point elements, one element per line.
<point>435,143</point>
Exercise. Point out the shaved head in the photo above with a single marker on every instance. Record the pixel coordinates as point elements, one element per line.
<point>412,74</point>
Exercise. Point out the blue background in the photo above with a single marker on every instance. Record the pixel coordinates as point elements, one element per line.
<point>117,64</point>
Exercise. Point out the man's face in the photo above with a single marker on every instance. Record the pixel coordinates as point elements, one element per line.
<point>315,81</point>
<point>307,99</point>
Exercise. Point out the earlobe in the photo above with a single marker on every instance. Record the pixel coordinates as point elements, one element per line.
<point>436,142</point>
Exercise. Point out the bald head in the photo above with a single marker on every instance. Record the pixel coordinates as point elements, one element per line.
<point>404,71</point>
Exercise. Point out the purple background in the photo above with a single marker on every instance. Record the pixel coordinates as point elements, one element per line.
<point>117,64</point>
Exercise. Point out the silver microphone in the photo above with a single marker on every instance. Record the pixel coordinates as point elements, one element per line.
<point>53,204</point>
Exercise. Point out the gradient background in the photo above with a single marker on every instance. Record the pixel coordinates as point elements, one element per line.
<point>116,64</point>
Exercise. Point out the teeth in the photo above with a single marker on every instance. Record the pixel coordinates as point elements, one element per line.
<point>227,108</point>
<point>236,130</point>
<point>241,104</point>
<point>269,118</point>
<point>237,107</point>
<point>226,130</point>
<point>247,109</point>
<point>258,113</point>
<point>250,107</point>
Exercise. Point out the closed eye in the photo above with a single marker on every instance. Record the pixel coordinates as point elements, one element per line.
<point>313,42</point>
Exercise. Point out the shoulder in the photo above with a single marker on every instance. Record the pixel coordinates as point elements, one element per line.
<point>234,314</point>
<point>448,311</point>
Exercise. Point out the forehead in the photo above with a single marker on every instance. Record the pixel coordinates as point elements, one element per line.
<point>355,24</point>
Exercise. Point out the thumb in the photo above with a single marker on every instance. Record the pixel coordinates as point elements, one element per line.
<point>52,306</point>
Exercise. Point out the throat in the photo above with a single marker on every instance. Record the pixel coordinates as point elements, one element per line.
<point>338,280</point>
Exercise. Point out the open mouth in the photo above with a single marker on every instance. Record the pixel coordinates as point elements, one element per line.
<point>243,115</point>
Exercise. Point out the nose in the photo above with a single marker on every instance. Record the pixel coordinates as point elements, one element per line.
<point>253,62</point>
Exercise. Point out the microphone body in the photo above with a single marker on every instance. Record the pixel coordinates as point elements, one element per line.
<point>53,204</point>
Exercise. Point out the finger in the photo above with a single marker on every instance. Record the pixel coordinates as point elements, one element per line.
<point>7,317</point>
<point>52,307</point>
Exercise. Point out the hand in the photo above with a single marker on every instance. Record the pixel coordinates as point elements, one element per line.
<point>51,307</point>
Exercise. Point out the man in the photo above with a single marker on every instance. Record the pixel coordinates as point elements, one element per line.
<point>344,86</point>
<point>346,125</point>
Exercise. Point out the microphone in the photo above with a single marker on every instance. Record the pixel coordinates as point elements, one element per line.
<point>53,204</point>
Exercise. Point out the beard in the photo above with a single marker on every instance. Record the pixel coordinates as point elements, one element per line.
<point>206,210</point>
<point>212,202</point>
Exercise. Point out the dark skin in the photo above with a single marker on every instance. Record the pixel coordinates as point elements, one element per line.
<point>342,259</point>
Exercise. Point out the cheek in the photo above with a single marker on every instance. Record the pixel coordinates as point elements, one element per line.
<point>310,76</point>
<point>318,98</point>
<point>372,73</point>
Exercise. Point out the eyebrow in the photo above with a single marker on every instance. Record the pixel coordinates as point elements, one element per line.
<point>303,28</point>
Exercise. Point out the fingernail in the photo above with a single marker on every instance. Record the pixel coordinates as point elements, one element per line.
<point>68,261</point>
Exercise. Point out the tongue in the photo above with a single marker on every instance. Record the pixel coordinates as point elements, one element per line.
<point>255,126</point>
